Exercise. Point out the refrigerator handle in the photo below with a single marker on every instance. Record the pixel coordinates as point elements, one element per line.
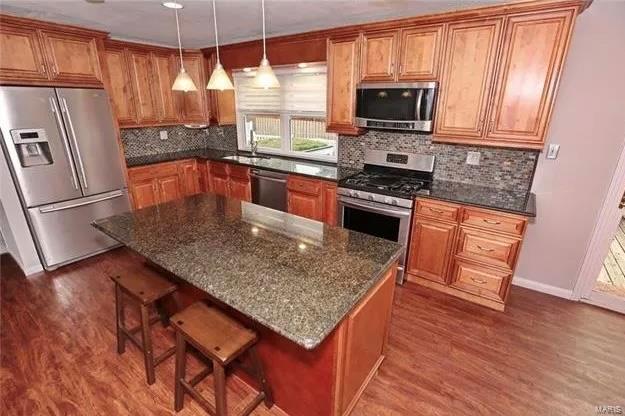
<point>59,123</point>
<point>53,208</point>
<point>73,133</point>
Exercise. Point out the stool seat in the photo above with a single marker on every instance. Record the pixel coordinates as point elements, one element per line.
<point>212,332</point>
<point>143,284</point>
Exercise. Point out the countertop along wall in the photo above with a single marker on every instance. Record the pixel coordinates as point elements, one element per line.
<point>589,124</point>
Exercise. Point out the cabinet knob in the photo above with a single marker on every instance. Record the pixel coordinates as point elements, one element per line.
<point>493,222</point>
<point>478,280</point>
<point>485,248</point>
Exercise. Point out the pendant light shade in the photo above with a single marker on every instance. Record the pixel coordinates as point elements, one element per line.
<point>265,77</point>
<point>183,81</point>
<point>219,79</point>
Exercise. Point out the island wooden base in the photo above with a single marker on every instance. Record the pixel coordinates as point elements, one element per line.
<point>329,379</point>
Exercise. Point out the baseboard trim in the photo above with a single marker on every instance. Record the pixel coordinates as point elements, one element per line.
<point>543,288</point>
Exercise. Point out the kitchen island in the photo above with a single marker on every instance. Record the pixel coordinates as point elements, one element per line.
<point>320,297</point>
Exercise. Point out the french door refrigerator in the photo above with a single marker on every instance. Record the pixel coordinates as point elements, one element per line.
<point>61,147</point>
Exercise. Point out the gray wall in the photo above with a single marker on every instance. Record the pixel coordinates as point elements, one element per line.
<point>589,123</point>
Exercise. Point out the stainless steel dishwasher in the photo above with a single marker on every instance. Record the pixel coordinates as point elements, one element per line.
<point>269,189</point>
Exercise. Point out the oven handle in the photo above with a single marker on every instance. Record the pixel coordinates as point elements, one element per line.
<point>399,212</point>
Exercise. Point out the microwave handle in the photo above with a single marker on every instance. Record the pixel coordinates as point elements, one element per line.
<point>419,101</point>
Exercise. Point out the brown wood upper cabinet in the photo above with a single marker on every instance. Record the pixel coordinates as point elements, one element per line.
<point>193,104</point>
<point>22,57</point>
<point>120,85</point>
<point>163,79</point>
<point>222,107</point>
<point>142,76</point>
<point>505,101</point>
<point>72,58</point>
<point>343,65</point>
<point>379,51</point>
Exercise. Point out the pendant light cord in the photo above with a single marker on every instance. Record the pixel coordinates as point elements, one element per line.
<point>264,45</point>
<point>179,43</point>
<point>215,21</point>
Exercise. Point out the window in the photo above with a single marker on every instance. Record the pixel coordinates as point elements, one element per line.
<point>290,120</point>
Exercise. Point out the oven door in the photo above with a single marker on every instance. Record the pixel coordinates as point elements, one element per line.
<point>380,220</point>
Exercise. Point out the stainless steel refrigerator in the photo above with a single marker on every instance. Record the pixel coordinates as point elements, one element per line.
<point>61,147</point>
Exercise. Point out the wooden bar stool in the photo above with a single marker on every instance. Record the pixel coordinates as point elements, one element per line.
<point>146,289</point>
<point>224,341</point>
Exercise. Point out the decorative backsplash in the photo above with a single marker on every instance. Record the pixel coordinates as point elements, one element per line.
<point>146,141</point>
<point>499,168</point>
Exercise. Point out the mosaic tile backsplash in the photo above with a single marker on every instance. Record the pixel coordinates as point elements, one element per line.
<point>146,141</point>
<point>499,168</point>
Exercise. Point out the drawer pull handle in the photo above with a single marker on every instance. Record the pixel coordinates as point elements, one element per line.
<point>479,281</point>
<point>438,211</point>
<point>493,222</point>
<point>485,249</point>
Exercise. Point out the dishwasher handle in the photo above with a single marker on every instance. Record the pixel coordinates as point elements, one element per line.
<point>258,175</point>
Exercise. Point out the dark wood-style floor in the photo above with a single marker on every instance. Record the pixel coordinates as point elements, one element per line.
<point>543,356</point>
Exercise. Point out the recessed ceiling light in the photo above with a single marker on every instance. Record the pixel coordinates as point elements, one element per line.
<point>302,65</point>
<point>172,5</point>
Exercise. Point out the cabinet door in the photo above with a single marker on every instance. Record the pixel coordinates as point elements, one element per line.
<point>305,205</point>
<point>222,108</point>
<point>240,188</point>
<point>420,53</point>
<point>193,103</point>
<point>144,192</point>
<point>203,176</point>
<point>533,51</point>
<point>21,57</point>
<point>342,59</point>
<point>189,178</point>
<point>219,184</point>
<point>120,86</point>
<point>466,82</point>
<point>72,58</point>
<point>431,246</point>
<point>379,52</point>
<point>163,73</point>
<point>141,75</point>
<point>168,188</point>
<point>329,203</point>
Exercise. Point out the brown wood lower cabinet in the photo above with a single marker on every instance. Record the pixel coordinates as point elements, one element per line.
<point>162,182</point>
<point>312,198</point>
<point>467,252</point>
<point>228,180</point>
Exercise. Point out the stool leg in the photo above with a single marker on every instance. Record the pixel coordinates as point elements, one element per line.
<point>220,388</point>
<point>148,354</point>
<point>119,318</point>
<point>181,361</point>
<point>257,365</point>
<point>162,313</point>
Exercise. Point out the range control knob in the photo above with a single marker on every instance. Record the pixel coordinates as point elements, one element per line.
<point>357,194</point>
<point>370,197</point>
<point>352,193</point>
<point>387,200</point>
<point>393,202</point>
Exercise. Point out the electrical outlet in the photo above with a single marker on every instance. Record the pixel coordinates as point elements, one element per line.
<point>163,134</point>
<point>473,158</point>
<point>552,152</point>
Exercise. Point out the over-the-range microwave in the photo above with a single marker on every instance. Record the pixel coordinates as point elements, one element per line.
<point>398,106</point>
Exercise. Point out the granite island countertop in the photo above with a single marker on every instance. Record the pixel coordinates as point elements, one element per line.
<point>319,170</point>
<point>296,276</point>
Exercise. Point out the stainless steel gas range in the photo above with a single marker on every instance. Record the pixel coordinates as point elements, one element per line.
<point>379,199</point>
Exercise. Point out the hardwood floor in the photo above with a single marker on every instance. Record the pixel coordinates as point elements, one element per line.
<point>543,356</point>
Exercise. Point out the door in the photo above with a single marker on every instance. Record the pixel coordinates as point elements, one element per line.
<point>420,53</point>
<point>120,86</point>
<point>466,81</point>
<point>144,192</point>
<point>533,51</point>
<point>189,177</point>
<point>305,205</point>
<point>194,109</point>
<point>342,80</point>
<point>21,57</point>
<point>329,203</point>
<point>63,231</point>
<point>431,246</point>
<point>143,91</point>
<point>72,58</point>
<point>379,52</point>
<point>32,108</point>
<point>240,189</point>
<point>89,121</point>
<point>168,188</point>
<point>163,80</point>
<point>219,184</point>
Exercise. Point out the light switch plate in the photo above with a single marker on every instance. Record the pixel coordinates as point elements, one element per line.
<point>163,134</point>
<point>473,158</point>
<point>552,151</point>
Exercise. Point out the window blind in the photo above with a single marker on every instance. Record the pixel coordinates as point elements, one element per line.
<point>300,91</point>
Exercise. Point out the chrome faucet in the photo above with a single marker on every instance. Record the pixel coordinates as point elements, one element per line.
<point>253,143</point>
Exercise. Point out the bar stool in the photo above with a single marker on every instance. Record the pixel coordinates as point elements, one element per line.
<point>222,340</point>
<point>146,289</point>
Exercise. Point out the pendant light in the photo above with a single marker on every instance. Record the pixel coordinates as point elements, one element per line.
<point>219,79</point>
<point>265,78</point>
<point>183,81</point>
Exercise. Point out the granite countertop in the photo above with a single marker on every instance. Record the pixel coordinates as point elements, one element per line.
<point>296,276</point>
<point>313,169</point>
<point>516,202</point>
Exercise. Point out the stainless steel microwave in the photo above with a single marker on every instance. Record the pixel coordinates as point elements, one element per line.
<point>397,106</point>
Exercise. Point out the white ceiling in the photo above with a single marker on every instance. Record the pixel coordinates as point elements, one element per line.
<point>238,20</point>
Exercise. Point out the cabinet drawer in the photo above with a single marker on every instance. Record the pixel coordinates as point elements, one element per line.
<point>489,220</point>
<point>480,280</point>
<point>439,210</point>
<point>237,171</point>
<point>305,186</point>
<point>153,171</point>
<point>496,250</point>
<point>220,169</point>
